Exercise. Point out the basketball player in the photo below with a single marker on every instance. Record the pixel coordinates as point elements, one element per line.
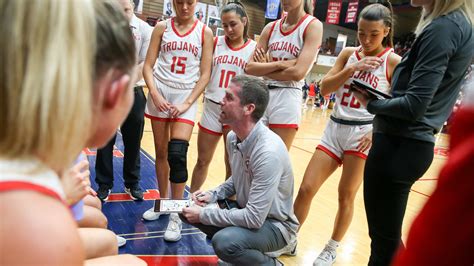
<point>348,135</point>
<point>181,51</point>
<point>292,44</point>
<point>231,54</point>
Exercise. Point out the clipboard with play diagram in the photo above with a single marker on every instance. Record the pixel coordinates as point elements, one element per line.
<point>364,86</point>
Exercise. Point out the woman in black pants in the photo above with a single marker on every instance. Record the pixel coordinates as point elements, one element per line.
<point>425,87</point>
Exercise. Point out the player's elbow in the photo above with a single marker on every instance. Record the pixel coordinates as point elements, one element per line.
<point>250,69</point>
<point>297,75</point>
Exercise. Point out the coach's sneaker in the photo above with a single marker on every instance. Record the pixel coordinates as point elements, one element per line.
<point>327,257</point>
<point>121,241</point>
<point>173,231</point>
<point>289,250</point>
<point>151,215</point>
<point>135,193</point>
<point>103,193</point>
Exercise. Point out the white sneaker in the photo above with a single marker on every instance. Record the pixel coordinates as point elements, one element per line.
<point>173,231</point>
<point>327,257</point>
<point>121,241</point>
<point>151,215</point>
<point>289,250</point>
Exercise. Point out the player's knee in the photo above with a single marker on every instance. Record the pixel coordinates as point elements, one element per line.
<point>177,154</point>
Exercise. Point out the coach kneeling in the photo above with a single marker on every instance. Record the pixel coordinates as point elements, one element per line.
<point>262,181</point>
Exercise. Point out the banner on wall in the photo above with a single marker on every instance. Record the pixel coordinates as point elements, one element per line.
<point>271,12</point>
<point>334,10</point>
<point>352,8</point>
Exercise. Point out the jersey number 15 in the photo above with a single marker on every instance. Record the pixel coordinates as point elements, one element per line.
<point>179,64</point>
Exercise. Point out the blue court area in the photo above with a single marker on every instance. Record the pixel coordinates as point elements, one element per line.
<point>145,238</point>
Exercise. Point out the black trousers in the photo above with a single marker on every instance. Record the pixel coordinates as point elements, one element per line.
<point>394,163</point>
<point>132,132</point>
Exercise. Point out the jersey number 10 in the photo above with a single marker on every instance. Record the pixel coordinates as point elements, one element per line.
<point>226,77</point>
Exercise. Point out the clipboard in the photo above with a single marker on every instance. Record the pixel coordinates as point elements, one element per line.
<point>171,205</point>
<point>364,86</point>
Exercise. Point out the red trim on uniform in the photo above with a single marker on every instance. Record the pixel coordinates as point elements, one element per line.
<point>379,55</point>
<point>384,51</point>
<point>209,131</point>
<point>215,44</point>
<point>162,119</point>
<point>297,25</point>
<point>202,34</point>
<point>330,153</point>
<point>389,79</point>
<point>225,127</point>
<point>356,153</point>
<point>187,33</point>
<point>6,186</point>
<point>305,29</point>
<point>295,126</point>
<point>273,27</point>
<point>357,53</point>
<point>238,48</point>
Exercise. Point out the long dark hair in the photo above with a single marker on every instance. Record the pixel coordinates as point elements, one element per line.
<point>380,11</point>
<point>308,6</point>
<point>239,9</point>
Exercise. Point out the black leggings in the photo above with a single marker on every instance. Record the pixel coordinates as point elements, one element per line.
<point>393,165</point>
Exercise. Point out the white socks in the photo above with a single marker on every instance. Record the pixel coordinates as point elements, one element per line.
<point>333,244</point>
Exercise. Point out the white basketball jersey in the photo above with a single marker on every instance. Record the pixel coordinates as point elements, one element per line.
<point>347,107</point>
<point>179,59</point>
<point>287,45</point>
<point>227,63</point>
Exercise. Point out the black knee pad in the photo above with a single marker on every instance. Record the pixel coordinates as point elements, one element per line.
<point>177,153</point>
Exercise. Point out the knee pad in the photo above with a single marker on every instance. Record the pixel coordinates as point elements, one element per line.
<point>177,153</point>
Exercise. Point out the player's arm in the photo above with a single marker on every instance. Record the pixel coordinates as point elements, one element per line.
<point>205,66</point>
<point>264,68</point>
<point>338,74</point>
<point>151,56</point>
<point>393,61</point>
<point>37,230</point>
<point>305,61</point>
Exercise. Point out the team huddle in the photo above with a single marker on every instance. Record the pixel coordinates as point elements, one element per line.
<point>252,99</point>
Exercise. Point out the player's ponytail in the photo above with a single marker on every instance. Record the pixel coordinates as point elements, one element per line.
<point>308,6</point>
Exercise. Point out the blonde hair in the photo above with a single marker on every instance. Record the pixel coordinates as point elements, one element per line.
<point>443,7</point>
<point>46,56</point>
